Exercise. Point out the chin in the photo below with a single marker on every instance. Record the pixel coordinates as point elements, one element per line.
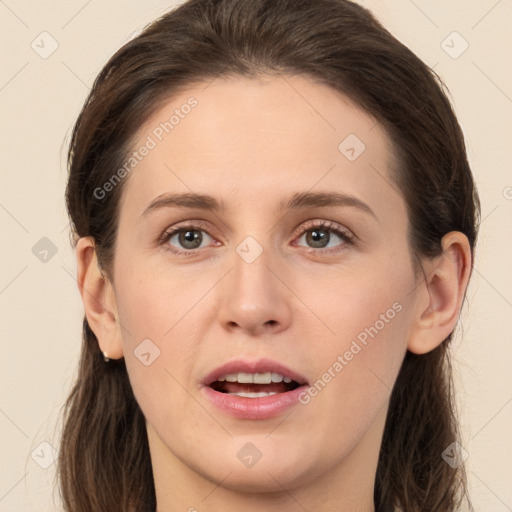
<point>267,479</point>
<point>273,471</point>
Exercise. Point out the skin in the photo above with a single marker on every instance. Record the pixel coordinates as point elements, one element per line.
<point>251,143</point>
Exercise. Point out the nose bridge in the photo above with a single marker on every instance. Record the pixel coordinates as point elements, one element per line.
<point>254,299</point>
<point>251,262</point>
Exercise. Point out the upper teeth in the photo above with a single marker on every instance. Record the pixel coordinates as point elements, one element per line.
<point>254,378</point>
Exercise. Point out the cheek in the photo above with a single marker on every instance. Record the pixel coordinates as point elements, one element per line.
<point>367,304</point>
<point>155,350</point>
<point>356,371</point>
<point>161,314</point>
<point>154,303</point>
<point>369,317</point>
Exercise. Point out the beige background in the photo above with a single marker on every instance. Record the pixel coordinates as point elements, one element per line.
<point>40,306</point>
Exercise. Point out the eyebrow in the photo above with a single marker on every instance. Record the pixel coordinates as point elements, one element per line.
<point>297,201</point>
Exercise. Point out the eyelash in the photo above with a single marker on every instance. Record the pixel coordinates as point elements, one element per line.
<point>343,234</point>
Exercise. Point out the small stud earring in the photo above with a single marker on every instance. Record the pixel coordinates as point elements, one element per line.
<point>105,357</point>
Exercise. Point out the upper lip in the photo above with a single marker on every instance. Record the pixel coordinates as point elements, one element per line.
<point>258,366</point>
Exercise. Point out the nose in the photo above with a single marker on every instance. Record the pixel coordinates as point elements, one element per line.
<point>254,297</point>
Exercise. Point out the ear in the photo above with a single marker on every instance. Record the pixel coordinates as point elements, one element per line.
<point>99,299</point>
<point>441,294</point>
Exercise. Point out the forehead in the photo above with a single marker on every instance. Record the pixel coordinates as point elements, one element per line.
<point>253,138</point>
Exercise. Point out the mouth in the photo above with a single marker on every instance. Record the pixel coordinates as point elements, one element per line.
<point>254,385</point>
<point>253,389</point>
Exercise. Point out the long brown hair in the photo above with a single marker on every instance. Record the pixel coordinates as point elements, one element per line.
<point>104,462</point>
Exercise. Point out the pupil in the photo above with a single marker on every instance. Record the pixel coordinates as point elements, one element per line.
<point>190,237</point>
<point>318,238</point>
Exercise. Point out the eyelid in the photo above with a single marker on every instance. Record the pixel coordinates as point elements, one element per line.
<point>328,225</point>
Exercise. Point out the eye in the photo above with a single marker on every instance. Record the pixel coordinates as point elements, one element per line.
<point>325,236</point>
<point>185,239</point>
<point>320,234</point>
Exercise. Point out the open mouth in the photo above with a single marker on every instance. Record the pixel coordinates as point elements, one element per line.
<point>254,385</point>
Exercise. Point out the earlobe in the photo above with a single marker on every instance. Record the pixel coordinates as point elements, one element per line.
<point>442,294</point>
<point>99,299</point>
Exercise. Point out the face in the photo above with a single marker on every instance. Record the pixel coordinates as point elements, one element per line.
<point>302,270</point>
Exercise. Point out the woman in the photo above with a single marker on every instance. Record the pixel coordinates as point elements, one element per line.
<point>275,221</point>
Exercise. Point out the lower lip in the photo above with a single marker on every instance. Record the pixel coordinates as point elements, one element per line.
<point>260,408</point>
